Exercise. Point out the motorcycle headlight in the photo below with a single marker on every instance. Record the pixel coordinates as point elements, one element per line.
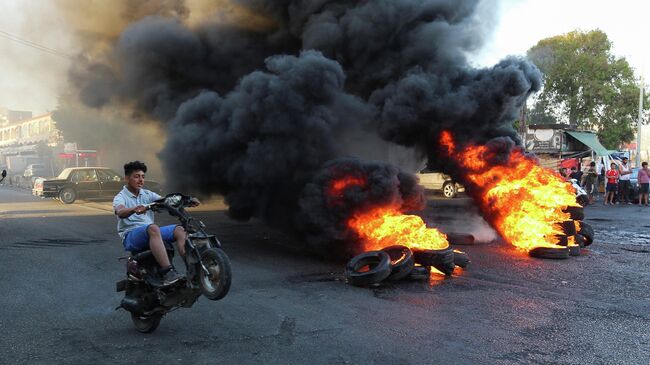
<point>173,200</point>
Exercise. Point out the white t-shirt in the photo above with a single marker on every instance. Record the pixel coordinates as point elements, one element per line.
<point>625,168</point>
<point>126,198</point>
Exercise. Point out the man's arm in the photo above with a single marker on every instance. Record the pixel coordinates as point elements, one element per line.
<point>124,212</point>
<point>119,206</point>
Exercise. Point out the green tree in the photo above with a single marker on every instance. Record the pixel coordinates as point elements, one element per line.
<point>586,85</point>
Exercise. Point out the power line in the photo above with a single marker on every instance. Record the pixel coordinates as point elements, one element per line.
<point>34,45</point>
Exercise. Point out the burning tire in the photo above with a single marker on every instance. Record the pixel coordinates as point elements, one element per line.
<point>587,231</point>
<point>562,240</point>
<point>580,240</point>
<point>554,253</point>
<point>442,260</point>
<point>401,262</point>
<point>575,213</point>
<point>568,227</point>
<point>461,259</point>
<point>378,263</point>
<point>419,273</point>
<point>574,250</point>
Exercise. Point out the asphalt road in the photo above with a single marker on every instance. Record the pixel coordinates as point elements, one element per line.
<point>58,266</point>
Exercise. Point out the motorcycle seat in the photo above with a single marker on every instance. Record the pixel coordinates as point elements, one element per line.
<point>146,254</point>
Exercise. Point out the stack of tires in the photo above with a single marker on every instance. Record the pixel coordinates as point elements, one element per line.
<point>576,234</point>
<point>397,263</point>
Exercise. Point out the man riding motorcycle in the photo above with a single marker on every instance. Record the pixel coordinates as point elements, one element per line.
<point>136,226</point>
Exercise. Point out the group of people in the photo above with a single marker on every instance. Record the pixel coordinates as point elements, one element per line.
<point>617,184</point>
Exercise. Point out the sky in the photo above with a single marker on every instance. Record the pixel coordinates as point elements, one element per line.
<point>32,80</point>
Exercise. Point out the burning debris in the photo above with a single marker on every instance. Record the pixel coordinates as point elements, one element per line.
<point>257,111</point>
<point>526,203</point>
<point>395,263</point>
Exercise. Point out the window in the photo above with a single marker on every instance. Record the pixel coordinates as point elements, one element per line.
<point>108,175</point>
<point>84,176</point>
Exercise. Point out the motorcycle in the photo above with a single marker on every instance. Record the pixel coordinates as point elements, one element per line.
<point>208,271</point>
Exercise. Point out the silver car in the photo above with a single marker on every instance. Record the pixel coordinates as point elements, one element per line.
<point>438,181</point>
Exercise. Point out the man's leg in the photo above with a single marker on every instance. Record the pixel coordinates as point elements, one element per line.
<point>179,237</point>
<point>157,246</point>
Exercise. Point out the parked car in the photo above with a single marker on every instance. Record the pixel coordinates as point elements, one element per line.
<point>438,181</point>
<point>84,183</point>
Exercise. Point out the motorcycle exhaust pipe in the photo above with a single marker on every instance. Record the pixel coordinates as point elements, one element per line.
<point>131,304</point>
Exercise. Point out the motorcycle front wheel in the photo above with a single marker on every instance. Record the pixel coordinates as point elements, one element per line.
<point>146,324</point>
<point>216,284</point>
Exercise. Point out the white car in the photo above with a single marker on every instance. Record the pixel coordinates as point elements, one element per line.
<point>440,182</point>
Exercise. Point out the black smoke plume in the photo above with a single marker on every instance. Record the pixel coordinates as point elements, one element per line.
<point>258,113</point>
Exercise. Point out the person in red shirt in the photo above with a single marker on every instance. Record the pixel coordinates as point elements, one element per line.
<point>612,184</point>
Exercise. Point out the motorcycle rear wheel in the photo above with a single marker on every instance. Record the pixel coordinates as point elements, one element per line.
<point>217,284</point>
<point>145,324</point>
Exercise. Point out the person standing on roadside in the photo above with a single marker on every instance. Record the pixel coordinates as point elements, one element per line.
<point>624,182</point>
<point>576,174</point>
<point>589,182</point>
<point>612,184</point>
<point>643,179</point>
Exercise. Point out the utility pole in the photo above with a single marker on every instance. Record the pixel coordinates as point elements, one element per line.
<point>638,129</point>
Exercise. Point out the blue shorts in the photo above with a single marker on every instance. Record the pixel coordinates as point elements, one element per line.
<point>611,187</point>
<point>137,239</point>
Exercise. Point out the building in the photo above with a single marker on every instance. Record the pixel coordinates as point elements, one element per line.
<point>554,144</point>
<point>28,141</point>
<point>29,132</point>
<point>13,116</point>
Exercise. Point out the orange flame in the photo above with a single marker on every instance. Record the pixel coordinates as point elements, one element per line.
<point>386,226</point>
<point>524,199</point>
<point>338,186</point>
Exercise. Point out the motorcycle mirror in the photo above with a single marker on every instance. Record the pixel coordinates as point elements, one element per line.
<point>4,173</point>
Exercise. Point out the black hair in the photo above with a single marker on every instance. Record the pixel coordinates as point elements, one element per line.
<point>644,163</point>
<point>133,166</point>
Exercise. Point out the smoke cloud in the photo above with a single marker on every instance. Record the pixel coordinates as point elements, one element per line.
<point>269,102</point>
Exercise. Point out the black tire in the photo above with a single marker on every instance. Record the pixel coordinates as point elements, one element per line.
<point>587,231</point>
<point>568,228</point>
<point>217,284</point>
<point>582,200</point>
<point>146,324</point>
<point>461,259</point>
<point>574,250</point>
<point>554,253</point>
<point>575,213</point>
<point>379,268</point>
<point>419,273</point>
<point>449,189</point>
<point>67,196</point>
<point>442,260</point>
<point>562,240</point>
<point>460,239</point>
<point>401,262</point>
<point>580,240</point>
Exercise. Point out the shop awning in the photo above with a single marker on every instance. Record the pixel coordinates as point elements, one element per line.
<point>590,140</point>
